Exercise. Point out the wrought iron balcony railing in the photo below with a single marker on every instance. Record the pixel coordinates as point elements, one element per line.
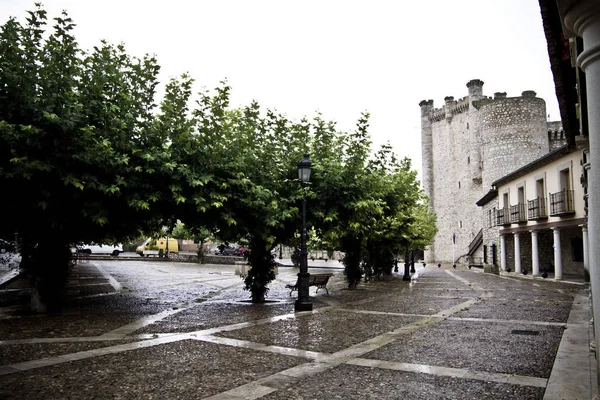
<point>503,216</point>
<point>536,209</point>
<point>561,203</point>
<point>517,213</point>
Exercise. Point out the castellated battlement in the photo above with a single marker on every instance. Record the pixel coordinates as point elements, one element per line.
<point>450,109</point>
<point>475,98</point>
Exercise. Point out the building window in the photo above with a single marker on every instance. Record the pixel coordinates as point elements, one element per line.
<point>468,160</point>
<point>521,194</point>
<point>539,188</point>
<point>565,179</point>
<point>517,212</point>
<point>459,184</point>
<point>505,200</point>
<point>562,202</point>
<point>536,208</point>
<point>460,224</point>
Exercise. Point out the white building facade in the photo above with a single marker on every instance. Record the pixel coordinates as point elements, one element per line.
<point>539,211</point>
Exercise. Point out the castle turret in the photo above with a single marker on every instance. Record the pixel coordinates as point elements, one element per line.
<point>513,133</point>
<point>449,102</point>
<point>427,148</point>
<point>475,87</point>
<point>427,161</point>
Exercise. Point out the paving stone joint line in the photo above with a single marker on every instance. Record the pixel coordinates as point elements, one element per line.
<point>319,361</point>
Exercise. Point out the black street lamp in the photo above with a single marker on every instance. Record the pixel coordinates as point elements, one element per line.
<point>303,303</point>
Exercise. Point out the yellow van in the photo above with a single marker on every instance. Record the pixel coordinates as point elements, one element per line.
<point>153,247</point>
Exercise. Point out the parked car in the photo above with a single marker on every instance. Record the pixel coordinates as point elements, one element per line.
<point>227,250</point>
<point>94,248</point>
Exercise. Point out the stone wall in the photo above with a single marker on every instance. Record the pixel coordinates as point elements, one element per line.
<point>570,266</point>
<point>510,252</point>
<point>513,133</point>
<point>456,181</point>
<point>490,232</point>
<point>525,245</point>
<point>546,250</point>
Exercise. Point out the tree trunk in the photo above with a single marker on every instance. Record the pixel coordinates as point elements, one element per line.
<point>351,262</point>
<point>47,264</point>
<point>201,252</point>
<point>262,270</point>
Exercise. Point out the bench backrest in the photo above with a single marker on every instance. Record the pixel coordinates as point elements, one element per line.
<point>319,279</point>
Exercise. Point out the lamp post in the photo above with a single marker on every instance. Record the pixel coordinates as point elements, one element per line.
<point>165,229</point>
<point>303,303</point>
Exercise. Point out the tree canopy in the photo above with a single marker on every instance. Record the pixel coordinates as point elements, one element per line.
<point>90,154</point>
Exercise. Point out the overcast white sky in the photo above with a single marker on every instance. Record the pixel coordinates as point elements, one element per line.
<point>340,57</point>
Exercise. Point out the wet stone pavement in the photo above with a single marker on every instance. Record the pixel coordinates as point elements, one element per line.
<point>150,329</point>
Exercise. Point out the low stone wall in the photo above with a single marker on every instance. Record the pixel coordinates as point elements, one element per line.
<point>230,260</point>
<point>208,259</point>
<point>183,257</point>
<point>242,268</point>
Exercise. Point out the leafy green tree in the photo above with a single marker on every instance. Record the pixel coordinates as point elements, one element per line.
<point>89,158</point>
<point>81,150</point>
<point>406,222</point>
<point>342,205</point>
<point>253,170</point>
<point>368,206</point>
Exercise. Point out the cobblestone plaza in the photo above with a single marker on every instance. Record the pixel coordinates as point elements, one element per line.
<point>188,331</point>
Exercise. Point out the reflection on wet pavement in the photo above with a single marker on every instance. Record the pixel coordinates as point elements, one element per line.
<point>456,326</point>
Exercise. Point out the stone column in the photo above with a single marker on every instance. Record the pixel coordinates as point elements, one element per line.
<point>517,254</point>
<point>586,259</point>
<point>503,252</point>
<point>535,255</point>
<point>582,18</point>
<point>557,254</point>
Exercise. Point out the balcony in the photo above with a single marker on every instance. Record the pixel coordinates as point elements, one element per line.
<point>561,203</point>
<point>503,216</point>
<point>517,213</point>
<point>536,209</point>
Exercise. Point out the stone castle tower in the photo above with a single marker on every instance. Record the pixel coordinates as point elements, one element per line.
<point>468,144</point>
